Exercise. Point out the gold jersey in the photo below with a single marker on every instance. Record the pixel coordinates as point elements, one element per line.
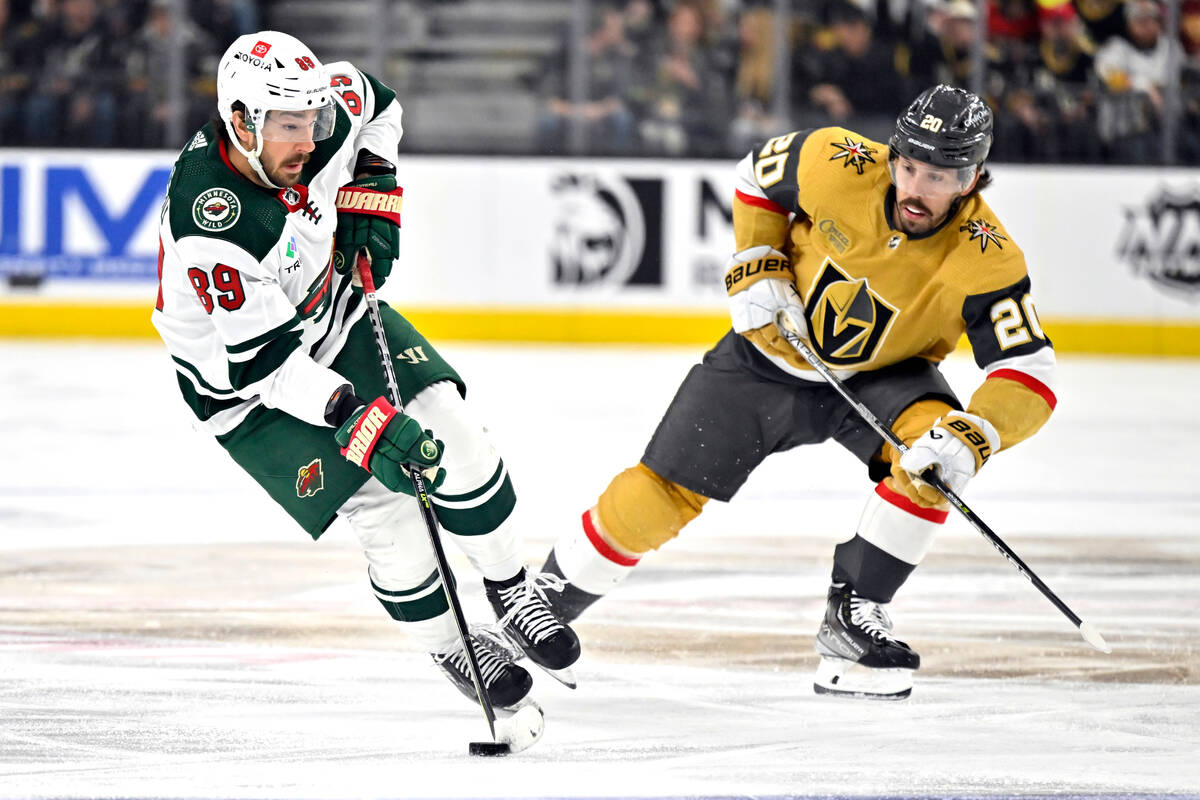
<point>875,296</point>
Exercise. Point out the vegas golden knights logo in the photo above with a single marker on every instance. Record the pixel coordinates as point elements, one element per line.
<point>847,319</point>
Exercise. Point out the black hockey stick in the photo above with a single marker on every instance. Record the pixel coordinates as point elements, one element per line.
<point>363,269</point>
<point>930,476</point>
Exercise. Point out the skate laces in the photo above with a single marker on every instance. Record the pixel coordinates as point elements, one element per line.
<point>490,664</point>
<point>529,608</point>
<point>870,617</point>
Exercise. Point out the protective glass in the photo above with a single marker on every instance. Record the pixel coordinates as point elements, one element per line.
<point>312,124</point>
<point>915,178</point>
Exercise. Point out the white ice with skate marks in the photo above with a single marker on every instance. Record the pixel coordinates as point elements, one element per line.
<point>166,633</point>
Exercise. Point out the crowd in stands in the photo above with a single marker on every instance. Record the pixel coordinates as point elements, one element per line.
<point>1071,80</point>
<point>95,73</point>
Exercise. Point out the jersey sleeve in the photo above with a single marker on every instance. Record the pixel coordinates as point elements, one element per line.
<point>1017,396</point>
<point>372,105</point>
<point>259,329</point>
<point>768,192</point>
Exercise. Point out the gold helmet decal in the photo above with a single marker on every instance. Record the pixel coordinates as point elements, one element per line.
<point>847,318</point>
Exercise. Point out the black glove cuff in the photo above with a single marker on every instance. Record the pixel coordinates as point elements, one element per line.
<point>342,404</point>
<point>370,164</point>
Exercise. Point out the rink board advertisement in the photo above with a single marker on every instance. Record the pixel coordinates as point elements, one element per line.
<point>551,246</point>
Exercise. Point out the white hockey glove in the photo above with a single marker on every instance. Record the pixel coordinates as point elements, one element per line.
<point>755,294</point>
<point>956,446</point>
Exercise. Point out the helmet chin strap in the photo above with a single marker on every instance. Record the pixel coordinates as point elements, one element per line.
<point>252,156</point>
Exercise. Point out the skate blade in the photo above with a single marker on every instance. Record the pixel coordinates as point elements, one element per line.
<point>565,676</point>
<point>844,678</point>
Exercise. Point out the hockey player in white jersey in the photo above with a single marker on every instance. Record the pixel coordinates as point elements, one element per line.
<point>267,208</point>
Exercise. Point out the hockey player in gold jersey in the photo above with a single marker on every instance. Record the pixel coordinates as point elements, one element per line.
<point>882,257</point>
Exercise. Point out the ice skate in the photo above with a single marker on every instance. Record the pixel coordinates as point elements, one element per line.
<point>507,684</point>
<point>859,655</point>
<point>523,613</point>
<point>568,601</point>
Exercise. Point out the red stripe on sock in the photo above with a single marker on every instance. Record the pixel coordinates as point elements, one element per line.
<point>1029,382</point>
<point>904,504</point>
<point>603,547</point>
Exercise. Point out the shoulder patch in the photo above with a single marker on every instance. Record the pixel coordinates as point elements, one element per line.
<point>985,232</point>
<point>853,153</point>
<point>216,209</point>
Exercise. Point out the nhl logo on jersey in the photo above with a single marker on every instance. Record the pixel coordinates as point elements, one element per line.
<point>216,209</point>
<point>310,479</point>
<point>847,318</point>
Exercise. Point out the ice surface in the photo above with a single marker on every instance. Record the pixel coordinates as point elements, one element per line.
<point>166,632</point>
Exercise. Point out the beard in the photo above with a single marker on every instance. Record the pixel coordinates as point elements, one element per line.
<point>286,179</point>
<point>923,225</point>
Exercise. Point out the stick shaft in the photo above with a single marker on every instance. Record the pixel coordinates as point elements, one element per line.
<point>418,482</point>
<point>929,476</point>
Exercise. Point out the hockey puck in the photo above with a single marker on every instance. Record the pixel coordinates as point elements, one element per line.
<point>489,749</point>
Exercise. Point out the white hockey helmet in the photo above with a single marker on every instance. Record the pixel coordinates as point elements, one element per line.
<point>271,72</point>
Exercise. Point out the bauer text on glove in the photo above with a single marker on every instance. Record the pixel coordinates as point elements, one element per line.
<point>759,282</point>
<point>956,446</point>
<point>384,442</point>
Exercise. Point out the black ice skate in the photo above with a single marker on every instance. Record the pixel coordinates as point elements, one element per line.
<point>506,683</point>
<point>859,655</point>
<point>569,601</point>
<point>523,614</point>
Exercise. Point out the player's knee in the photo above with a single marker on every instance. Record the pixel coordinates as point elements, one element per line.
<point>640,510</point>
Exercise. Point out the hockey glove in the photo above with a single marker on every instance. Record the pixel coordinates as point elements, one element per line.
<point>384,442</point>
<point>368,217</point>
<point>761,290</point>
<point>956,446</point>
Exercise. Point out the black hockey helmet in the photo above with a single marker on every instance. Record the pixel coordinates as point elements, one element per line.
<point>945,126</point>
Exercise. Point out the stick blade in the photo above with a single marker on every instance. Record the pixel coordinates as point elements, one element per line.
<point>489,749</point>
<point>1093,637</point>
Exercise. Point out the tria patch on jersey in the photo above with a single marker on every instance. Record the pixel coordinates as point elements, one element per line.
<point>310,479</point>
<point>198,141</point>
<point>985,232</point>
<point>216,209</point>
<point>856,154</point>
<point>847,318</point>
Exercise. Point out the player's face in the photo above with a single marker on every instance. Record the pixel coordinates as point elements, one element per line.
<point>924,194</point>
<point>287,144</point>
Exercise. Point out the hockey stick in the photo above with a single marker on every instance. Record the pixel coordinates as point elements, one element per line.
<point>363,270</point>
<point>930,476</point>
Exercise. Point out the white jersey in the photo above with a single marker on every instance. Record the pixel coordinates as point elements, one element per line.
<point>249,305</point>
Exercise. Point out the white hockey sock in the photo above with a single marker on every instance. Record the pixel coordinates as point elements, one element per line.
<point>898,526</point>
<point>588,561</point>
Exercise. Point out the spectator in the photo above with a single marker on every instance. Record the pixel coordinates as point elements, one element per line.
<point>1102,19</point>
<point>684,99</point>
<point>224,20</point>
<point>1052,111</point>
<point>856,83</point>
<point>148,67</point>
<point>1133,73</point>
<point>16,70</point>
<point>754,82</point>
<point>1189,30</point>
<point>74,95</point>
<point>608,121</point>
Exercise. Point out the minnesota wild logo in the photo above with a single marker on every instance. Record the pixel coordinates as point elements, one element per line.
<point>216,209</point>
<point>856,154</point>
<point>986,232</point>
